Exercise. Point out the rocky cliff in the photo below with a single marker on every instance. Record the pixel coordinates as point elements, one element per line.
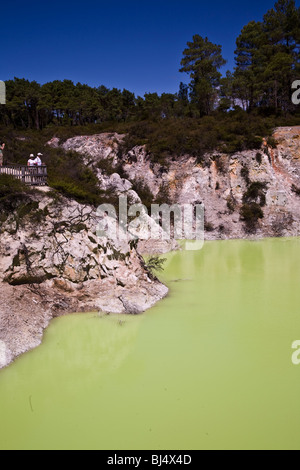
<point>251,193</point>
<point>52,263</point>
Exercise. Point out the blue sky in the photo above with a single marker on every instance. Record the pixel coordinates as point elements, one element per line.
<point>129,44</point>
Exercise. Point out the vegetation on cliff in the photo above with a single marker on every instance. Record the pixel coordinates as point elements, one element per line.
<point>232,112</point>
<point>211,114</point>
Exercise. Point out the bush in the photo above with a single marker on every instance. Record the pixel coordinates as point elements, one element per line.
<point>272,142</point>
<point>220,163</point>
<point>231,204</point>
<point>259,158</point>
<point>106,165</point>
<point>250,214</point>
<point>12,193</point>
<point>245,174</point>
<point>155,264</point>
<point>208,226</point>
<point>256,193</point>
<point>11,186</point>
<point>227,132</point>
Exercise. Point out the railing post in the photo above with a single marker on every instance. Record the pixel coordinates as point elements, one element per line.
<point>23,174</point>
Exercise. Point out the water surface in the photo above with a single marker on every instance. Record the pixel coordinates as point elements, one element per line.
<point>207,368</point>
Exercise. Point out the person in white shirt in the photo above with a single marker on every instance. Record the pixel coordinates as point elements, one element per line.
<point>31,161</point>
<point>38,160</point>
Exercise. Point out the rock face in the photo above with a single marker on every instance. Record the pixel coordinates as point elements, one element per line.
<point>52,262</point>
<point>268,178</point>
<point>101,154</point>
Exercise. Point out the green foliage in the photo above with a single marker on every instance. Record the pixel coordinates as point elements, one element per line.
<point>227,132</point>
<point>12,193</point>
<point>211,114</point>
<point>272,142</point>
<point>30,105</point>
<point>250,214</point>
<point>208,226</point>
<point>220,164</point>
<point>28,279</point>
<point>11,186</point>
<point>267,58</point>
<point>256,193</point>
<point>245,174</point>
<point>66,171</point>
<point>231,204</point>
<point>106,165</point>
<point>202,60</point>
<point>267,62</point>
<point>259,158</point>
<point>155,264</point>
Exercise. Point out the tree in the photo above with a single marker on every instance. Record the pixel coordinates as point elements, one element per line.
<point>227,92</point>
<point>268,58</point>
<point>183,94</point>
<point>282,27</point>
<point>202,61</point>
<point>250,61</point>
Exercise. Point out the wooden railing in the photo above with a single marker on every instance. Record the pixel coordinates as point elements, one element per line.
<point>33,175</point>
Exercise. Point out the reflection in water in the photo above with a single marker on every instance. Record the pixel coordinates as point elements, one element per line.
<point>209,367</point>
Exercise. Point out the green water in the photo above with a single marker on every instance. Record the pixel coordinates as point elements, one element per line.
<point>207,368</point>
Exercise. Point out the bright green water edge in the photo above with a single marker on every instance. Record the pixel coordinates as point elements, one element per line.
<point>208,367</point>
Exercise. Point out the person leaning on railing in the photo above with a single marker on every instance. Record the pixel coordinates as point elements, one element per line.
<point>2,146</point>
<point>31,161</point>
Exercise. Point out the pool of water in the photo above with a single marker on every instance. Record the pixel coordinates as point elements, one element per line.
<point>208,368</point>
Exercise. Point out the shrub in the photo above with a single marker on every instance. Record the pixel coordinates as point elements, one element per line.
<point>259,158</point>
<point>245,174</point>
<point>10,186</point>
<point>12,193</point>
<point>155,263</point>
<point>272,142</point>
<point>106,165</point>
<point>208,226</point>
<point>256,193</point>
<point>231,204</point>
<point>250,214</point>
<point>220,163</point>
<point>227,132</point>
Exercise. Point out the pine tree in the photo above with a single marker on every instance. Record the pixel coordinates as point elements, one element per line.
<point>202,61</point>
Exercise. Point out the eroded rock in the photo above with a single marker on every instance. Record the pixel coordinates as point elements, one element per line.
<point>60,266</point>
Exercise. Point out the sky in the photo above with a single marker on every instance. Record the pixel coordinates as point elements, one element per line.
<point>132,44</point>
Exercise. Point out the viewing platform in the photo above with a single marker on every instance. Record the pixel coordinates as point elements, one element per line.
<point>31,175</point>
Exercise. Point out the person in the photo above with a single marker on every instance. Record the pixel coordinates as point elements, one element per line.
<point>2,146</point>
<point>38,160</point>
<point>31,161</point>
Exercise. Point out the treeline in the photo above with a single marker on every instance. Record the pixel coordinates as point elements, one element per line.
<point>62,103</point>
<point>267,62</point>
